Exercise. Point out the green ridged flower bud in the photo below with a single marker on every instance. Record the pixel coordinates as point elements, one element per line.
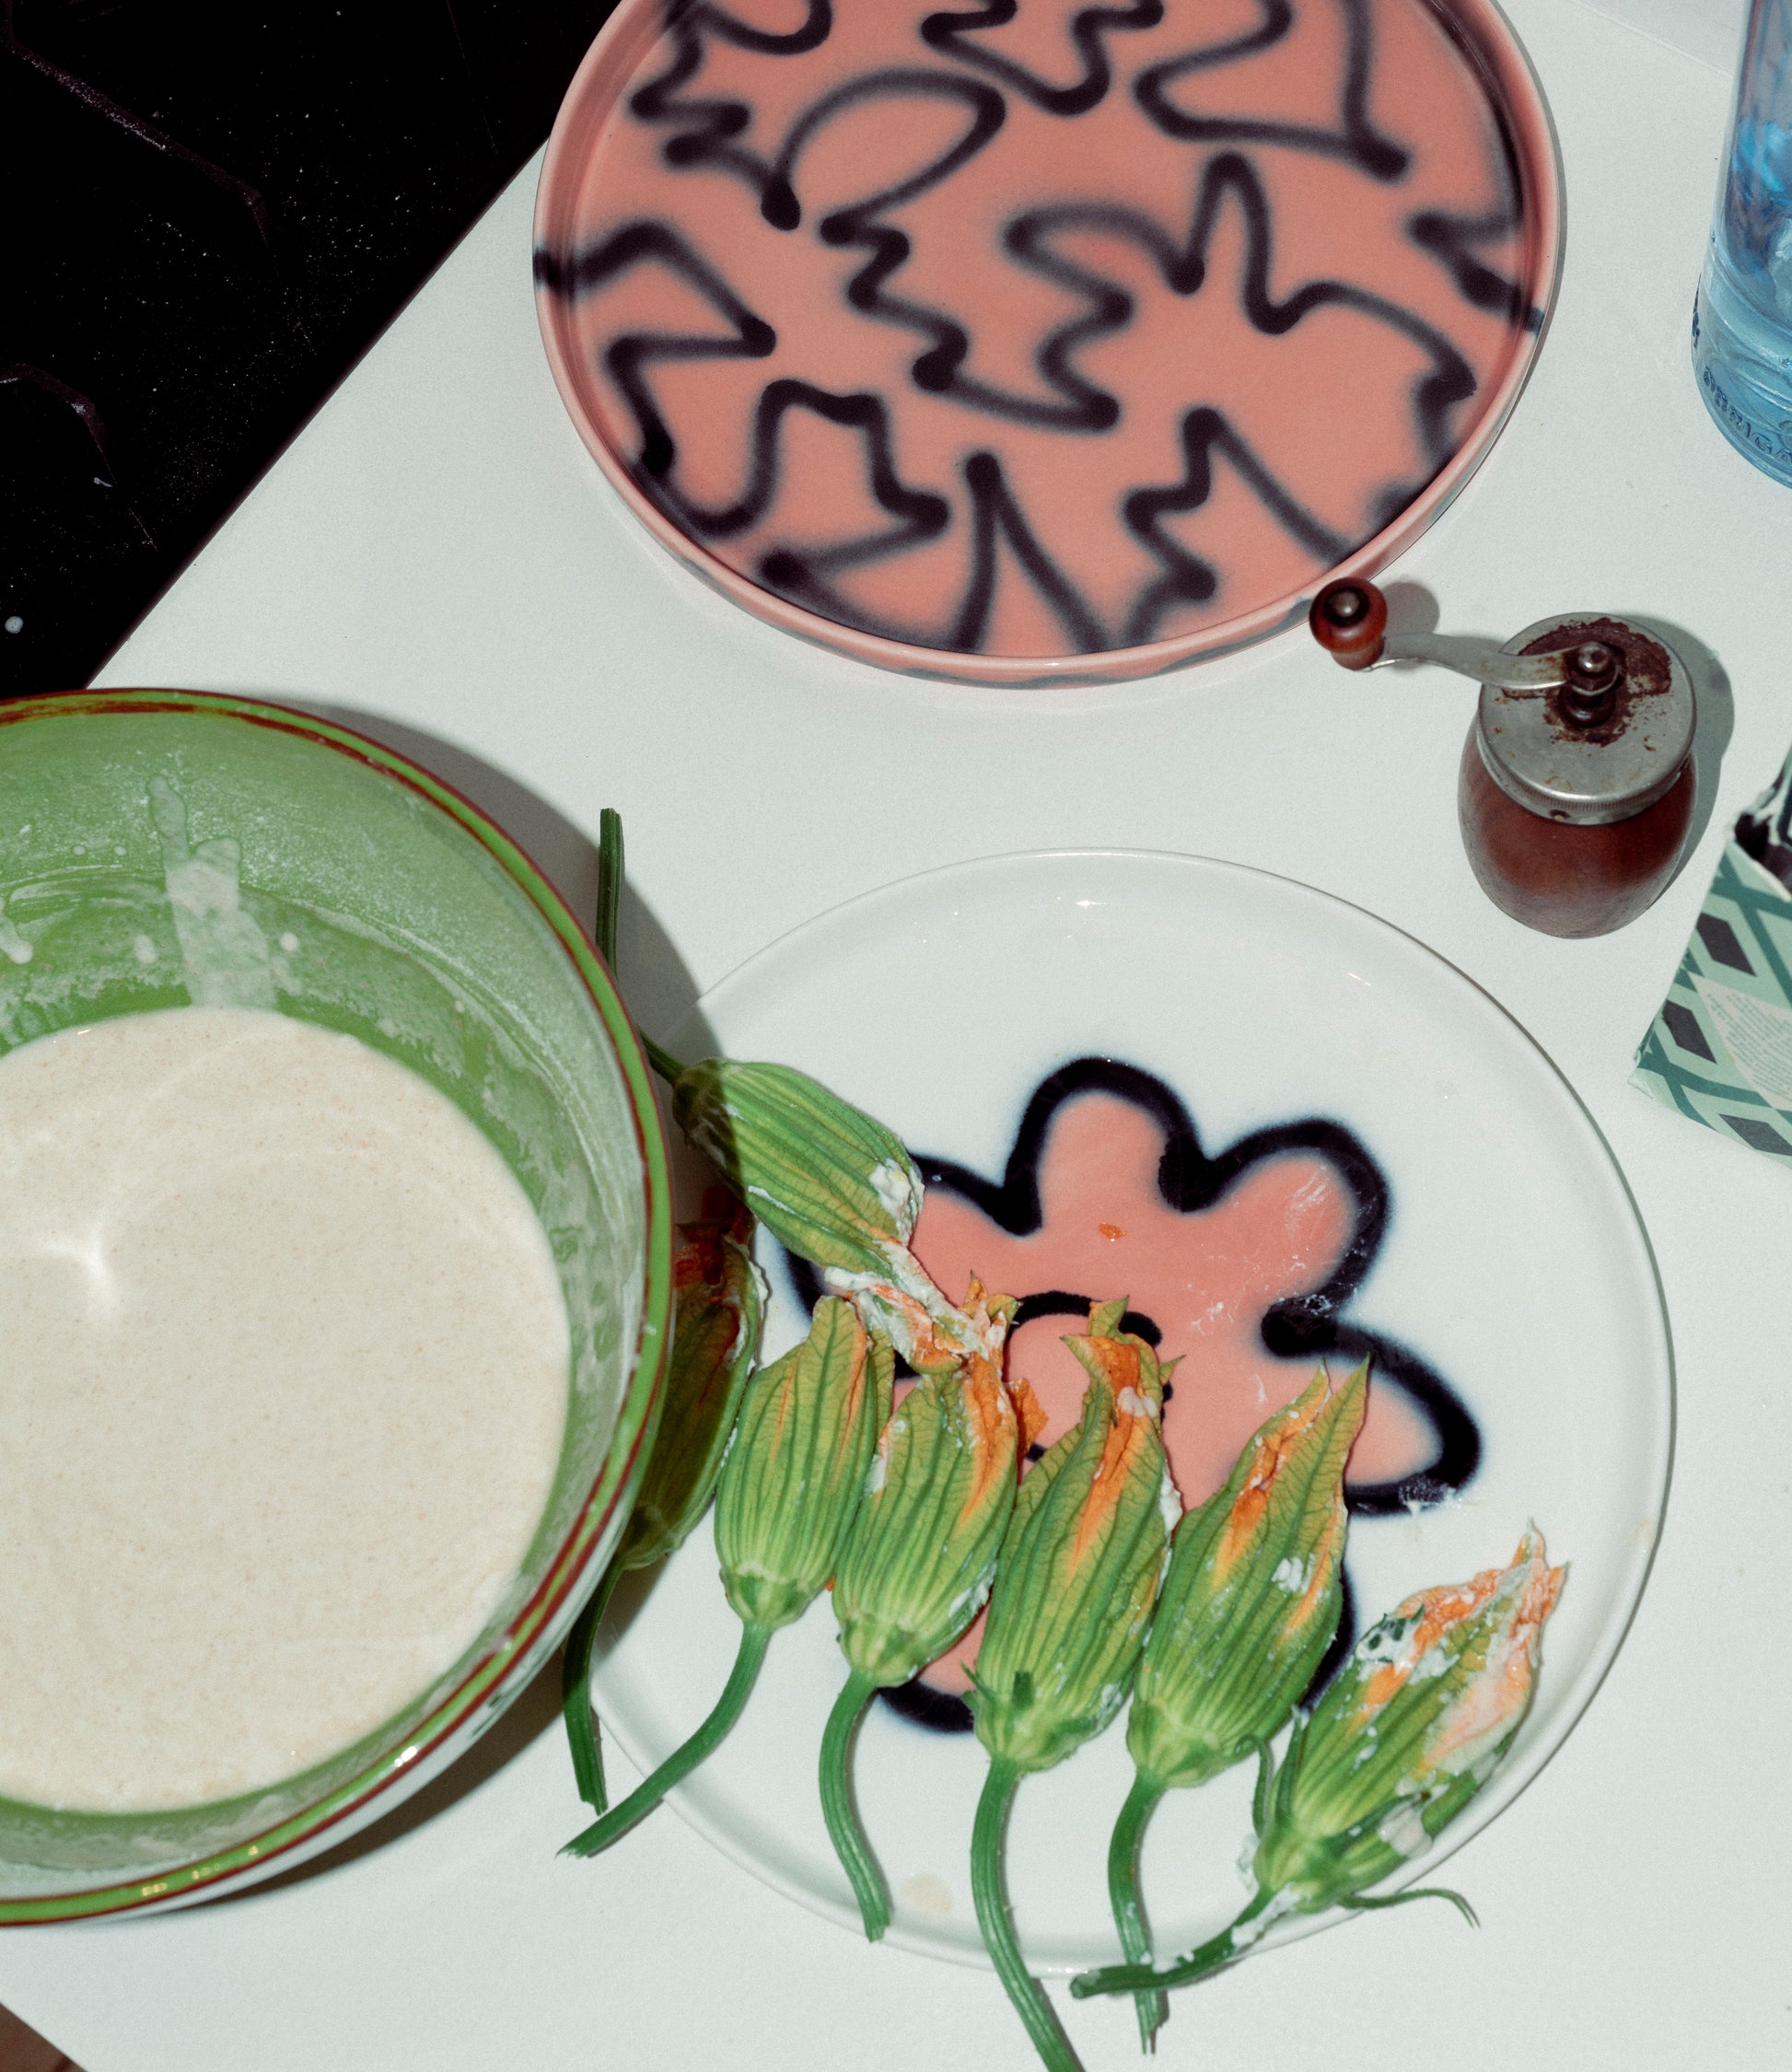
<point>824,1178</point>
<point>789,1487</point>
<point>1250,1603</point>
<point>802,1446</point>
<point>919,1560</point>
<point>1252,1594</point>
<point>921,1556</point>
<point>1075,1584</point>
<point>1081,1562</point>
<point>838,1189</point>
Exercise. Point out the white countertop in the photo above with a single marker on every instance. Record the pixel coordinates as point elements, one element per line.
<point>437,549</point>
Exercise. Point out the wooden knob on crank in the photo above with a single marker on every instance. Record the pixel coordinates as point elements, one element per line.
<point>1349,619</point>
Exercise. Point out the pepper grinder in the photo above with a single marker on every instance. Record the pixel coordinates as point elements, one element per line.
<point>1576,787</point>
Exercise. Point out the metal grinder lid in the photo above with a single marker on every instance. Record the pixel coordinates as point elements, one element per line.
<point>1590,775</point>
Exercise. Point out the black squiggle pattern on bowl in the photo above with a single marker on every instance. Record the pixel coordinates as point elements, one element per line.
<point>995,511</point>
<point>1184,272</point>
<point>1187,579</point>
<point>754,338</point>
<point>951,35</point>
<point>1453,238</point>
<point>1355,137</point>
<point>708,127</point>
<point>857,224</point>
<point>985,525</point>
<point>997,521</point>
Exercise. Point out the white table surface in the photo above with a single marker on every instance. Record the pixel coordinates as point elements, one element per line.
<point>437,549</point>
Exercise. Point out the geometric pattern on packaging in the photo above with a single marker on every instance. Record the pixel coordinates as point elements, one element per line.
<point>1720,1050</point>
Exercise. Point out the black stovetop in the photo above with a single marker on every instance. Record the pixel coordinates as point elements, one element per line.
<point>210,210</point>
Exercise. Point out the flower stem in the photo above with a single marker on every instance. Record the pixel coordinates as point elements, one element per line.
<point>609,902</point>
<point>642,1800</point>
<point>575,1706</point>
<point>1131,1978</point>
<point>1123,1896</point>
<point>987,1887</point>
<point>663,1062</point>
<point>848,1835</point>
<point>610,883</point>
<point>1362,1902</point>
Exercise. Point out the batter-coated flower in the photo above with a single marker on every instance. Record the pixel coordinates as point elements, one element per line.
<point>1408,1731</point>
<point>1412,1727</point>
<point>901,1302</point>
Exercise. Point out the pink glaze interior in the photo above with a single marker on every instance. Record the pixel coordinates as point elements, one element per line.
<point>1245,449</point>
<point>1207,1279</point>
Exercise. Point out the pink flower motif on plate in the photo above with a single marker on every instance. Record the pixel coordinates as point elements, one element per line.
<point>1238,1264</point>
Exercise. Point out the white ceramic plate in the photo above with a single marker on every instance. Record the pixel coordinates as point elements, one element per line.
<point>1513,1264</point>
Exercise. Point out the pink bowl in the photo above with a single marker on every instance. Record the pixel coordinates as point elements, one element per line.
<point>1052,345</point>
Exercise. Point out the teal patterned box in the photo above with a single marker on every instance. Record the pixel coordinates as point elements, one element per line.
<point>1720,1050</point>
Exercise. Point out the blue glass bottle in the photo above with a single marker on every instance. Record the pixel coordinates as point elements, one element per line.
<point>1742,318</point>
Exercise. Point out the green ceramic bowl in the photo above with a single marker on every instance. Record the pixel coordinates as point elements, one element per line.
<point>431,937</point>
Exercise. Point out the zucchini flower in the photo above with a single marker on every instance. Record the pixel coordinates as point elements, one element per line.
<point>1078,1574</point>
<point>839,1190</point>
<point>901,1302</point>
<point>1411,1729</point>
<point>1250,1603</point>
<point>822,1176</point>
<point>918,1561</point>
<point>795,1478</point>
<point>720,1300</point>
<point>789,1487</point>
